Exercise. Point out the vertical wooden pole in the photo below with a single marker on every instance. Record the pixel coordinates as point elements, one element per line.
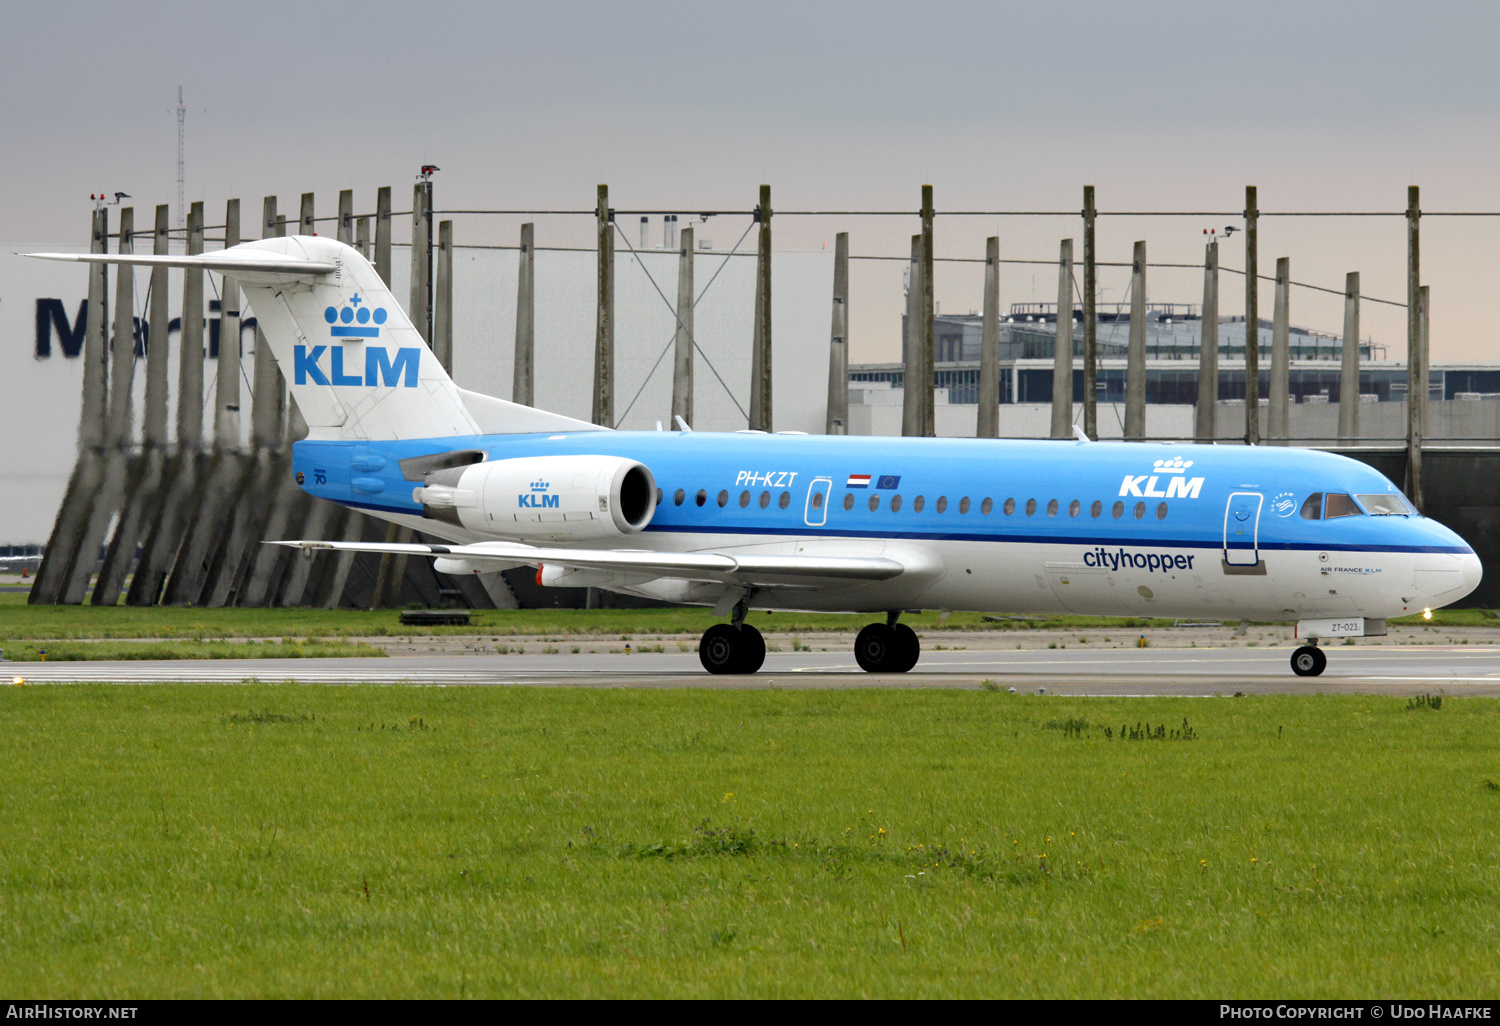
<point>604,324</point>
<point>1349,364</point>
<point>362,236</point>
<point>421,259</point>
<point>837,416</point>
<point>383,234</point>
<point>1090,321</point>
<point>1252,319</point>
<point>442,306</point>
<point>1135,356</point>
<point>988,425</point>
<point>1416,354</point>
<point>305,225</point>
<point>682,343</point>
<point>1279,408</point>
<point>227,376</point>
<point>346,217</point>
<point>760,356</point>
<point>1206,418</point>
<point>91,426</point>
<point>122,346</point>
<point>190,360</point>
<point>158,364</point>
<point>523,369</point>
<point>911,394</point>
<point>928,323</point>
<point>1062,361</point>
<point>265,404</point>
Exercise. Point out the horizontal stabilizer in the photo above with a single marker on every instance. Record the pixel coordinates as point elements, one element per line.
<point>766,570</point>
<point>241,261</point>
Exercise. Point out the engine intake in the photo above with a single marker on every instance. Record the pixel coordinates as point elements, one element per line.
<point>543,498</point>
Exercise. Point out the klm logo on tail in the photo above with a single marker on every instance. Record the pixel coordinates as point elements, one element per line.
<point>355,320</point>
<point>538,499</point>
<point>379,368</point>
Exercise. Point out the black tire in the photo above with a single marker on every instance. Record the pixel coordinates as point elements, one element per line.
<point>752,650</point>
<point>907,649</point>
<point>719,649</point>
<point>874,648</point>
<point>1309,661</point>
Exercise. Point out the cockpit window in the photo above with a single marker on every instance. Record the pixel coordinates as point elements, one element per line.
<point>1312,509</point>
<point>1340,505</point>
<point>1388,505</point>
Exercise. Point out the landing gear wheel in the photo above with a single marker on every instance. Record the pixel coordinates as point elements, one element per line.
<point>727,649</point>
<point>907,649</point>
<point>1308,661</point>
<point>879,649</point>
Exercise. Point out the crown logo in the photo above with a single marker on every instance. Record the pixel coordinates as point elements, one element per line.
<point>1176,465</point>
<point>539,486</point>
<point>355,320</point>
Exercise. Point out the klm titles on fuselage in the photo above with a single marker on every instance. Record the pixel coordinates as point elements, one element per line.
<point>1178,486</point>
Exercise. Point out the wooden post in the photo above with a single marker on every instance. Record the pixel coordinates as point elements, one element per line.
<point>837,416</point>
<point>265,404</point>
<point>760,355</point>
<point>928,323</point>
<point>682,343</point>
<point>523,371</point>
<point>604,324</point>
<point>1062,360</point>
<point>421,259</point>
<point>122,346</point>
<point>158,365</point>
<point>91,427</point>
<point>1206,418</point>
<point>911,393</point>
<point>305,224</point>
<point>1090,321</point>
<point>1135,356</point>
<point>442,306</point>
<point>1349,364</point>
<point>361,243</point>
<point>988,425</point>
<point>1252,319</point>
<point>383,234</point>
<point>190,360</point>
<point>1416,352</point>
<point>346,217</point>
<point>1281,358</point>
<point>227,376</point>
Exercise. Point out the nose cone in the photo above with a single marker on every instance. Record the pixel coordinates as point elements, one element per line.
<point>1473,572</point>
<point>1443,578</point>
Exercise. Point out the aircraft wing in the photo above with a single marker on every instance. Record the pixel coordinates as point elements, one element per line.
<point>760,570</point>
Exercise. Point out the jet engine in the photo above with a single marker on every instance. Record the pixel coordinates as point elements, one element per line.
<point>543,498</point>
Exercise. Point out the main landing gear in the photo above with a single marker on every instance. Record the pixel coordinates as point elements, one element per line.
<point>1308,661</point>
<point>888,647</point>
<point>733,647</point>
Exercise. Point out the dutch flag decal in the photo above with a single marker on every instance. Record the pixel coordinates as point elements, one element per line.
<point>858,481</point>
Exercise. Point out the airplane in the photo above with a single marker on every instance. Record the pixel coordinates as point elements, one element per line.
<point>749,520</point>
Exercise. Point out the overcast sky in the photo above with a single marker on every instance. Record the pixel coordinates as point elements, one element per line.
<point>1160,105</point>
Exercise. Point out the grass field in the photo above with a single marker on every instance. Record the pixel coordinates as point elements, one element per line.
<point>402,842</point>
<point>173,649</point>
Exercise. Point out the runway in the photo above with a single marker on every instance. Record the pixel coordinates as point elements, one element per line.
<point>1455,669</point>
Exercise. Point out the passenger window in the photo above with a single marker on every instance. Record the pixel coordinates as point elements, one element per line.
<point>1312,509</point>
<point>874,503</point>
<point>1340,505</point>
<point>658,496</point>
<point>848,500</point>
<point>895,504</point>
<point>1161,511</point>
<point>785,500</point>
<point>1119,510</point>
<point>744,499</point>
<point>942,504</point>
<point>817,500</point>
<point>1096,509</point>
<point>765,499</point>
<point>702,497</point>
<point>1031,507</point>
<point>1052,507</point>
<point>1074,508</point>
<point>963,505</point>
<point>917,504</point>
<point>1009,507</point>
<point>677,497</point>
<point>723,499</point>
<point>1140,510</point>
<point>986,506</point>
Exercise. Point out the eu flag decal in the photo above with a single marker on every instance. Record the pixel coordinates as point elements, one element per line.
<point>889,482</point>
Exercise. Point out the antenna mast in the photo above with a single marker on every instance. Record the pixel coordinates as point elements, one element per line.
<point>181,163</point>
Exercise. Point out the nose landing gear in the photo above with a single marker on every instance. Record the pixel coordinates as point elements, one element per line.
<point>1308,661</point>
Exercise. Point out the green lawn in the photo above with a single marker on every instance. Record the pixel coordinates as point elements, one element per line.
<point>68,651</point>
<point>265,840</point>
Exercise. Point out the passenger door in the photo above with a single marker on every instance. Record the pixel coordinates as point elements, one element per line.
<point>815,514</point>
<point>1242,529</point>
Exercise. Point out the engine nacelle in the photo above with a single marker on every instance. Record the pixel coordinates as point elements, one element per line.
<point>543,498</point>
